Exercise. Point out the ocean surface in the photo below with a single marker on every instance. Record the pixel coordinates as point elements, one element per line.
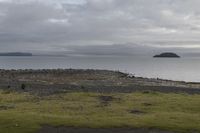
<point>181,69</point>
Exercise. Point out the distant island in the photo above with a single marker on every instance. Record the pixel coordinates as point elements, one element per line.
<point>167,55</point>
<point>15,54</point>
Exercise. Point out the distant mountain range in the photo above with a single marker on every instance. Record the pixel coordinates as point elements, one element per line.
<point>16,54</point>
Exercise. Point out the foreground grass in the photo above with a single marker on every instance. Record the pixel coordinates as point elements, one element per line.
<point>24,113</point>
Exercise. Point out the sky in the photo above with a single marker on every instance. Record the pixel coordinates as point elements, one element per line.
<point>99,26</point>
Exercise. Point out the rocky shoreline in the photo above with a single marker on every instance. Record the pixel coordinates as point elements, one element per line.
<point>46,82</point>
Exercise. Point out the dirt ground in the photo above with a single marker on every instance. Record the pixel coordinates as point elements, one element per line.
<point>49,129</point>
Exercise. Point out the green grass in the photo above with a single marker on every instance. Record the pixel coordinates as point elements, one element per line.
<point>25,113</point>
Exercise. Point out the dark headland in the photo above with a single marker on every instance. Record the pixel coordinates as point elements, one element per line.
<point>167,55</point>
<point>15,54</point>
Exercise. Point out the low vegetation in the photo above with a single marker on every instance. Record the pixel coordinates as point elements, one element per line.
<point>25,113</point>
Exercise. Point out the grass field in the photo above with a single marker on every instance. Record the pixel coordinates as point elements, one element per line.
<point>25,113</point>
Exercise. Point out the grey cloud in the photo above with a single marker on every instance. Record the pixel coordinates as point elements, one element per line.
<point>54,25</point>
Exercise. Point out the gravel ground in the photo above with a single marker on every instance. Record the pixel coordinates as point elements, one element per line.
<point>47,82</point>
<point>49,129</point>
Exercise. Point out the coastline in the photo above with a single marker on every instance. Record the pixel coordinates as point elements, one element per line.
<point>78,100</point>
<point>50,81</point>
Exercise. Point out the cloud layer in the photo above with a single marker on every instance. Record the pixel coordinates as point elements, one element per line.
<point>59,25</point>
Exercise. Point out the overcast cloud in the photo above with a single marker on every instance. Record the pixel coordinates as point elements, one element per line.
<point>65,25</point>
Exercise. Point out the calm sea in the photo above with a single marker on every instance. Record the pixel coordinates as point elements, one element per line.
<point>183,69</point>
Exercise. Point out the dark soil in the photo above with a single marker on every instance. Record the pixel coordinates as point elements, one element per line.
<point>50,129</point>
<point>147,104</point>
<point>106,98</point>
<point>137,112</point>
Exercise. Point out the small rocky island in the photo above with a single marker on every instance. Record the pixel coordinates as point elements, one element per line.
<point>167,55</point>
<point>15,54</point>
